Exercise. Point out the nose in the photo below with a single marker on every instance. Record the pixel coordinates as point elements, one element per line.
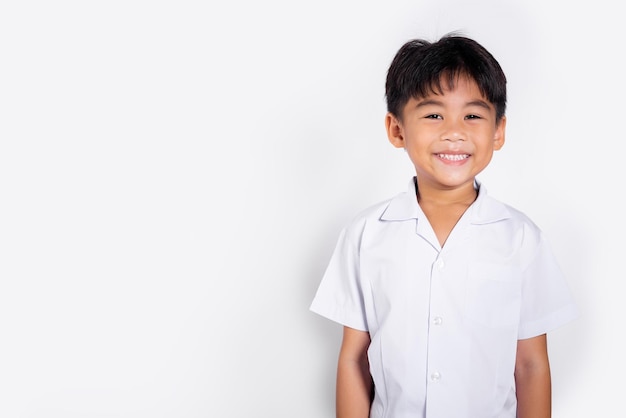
<point>453,131</point>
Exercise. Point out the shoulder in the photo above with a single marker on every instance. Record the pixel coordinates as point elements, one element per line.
<point>516,215</point>
<point>512,225</point>
<point>371,216</point>
<point>490,210</point>
<point>522,220</point>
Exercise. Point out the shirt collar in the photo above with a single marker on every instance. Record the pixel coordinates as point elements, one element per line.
<point>484,210</point>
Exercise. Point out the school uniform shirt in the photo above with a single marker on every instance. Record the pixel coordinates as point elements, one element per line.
<point>444,322</point>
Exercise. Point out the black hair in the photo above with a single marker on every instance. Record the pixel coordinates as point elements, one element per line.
<point>420,66</point>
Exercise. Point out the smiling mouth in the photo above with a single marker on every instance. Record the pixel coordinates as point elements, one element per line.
<point>453,157</point>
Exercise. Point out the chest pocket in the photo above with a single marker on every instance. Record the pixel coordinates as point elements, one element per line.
<point>493,296</point>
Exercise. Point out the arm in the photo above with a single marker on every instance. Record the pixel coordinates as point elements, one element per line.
<point>532,378</point>
<point>354,383</point>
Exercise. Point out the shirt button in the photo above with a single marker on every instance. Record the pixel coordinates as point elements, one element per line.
<point>440,264</point>
<point>435,377</point>
<point>437,320</point>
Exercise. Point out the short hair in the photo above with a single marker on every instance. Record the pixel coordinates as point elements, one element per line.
<point>419,68</point>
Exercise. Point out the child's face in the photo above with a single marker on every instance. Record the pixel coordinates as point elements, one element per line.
<point>449,137</point>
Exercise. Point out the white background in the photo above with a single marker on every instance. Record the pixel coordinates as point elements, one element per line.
<point>174,175</point>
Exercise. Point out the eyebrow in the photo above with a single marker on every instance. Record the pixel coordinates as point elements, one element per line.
<point>433,102</point>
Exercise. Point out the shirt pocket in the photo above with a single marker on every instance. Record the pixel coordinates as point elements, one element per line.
<point>494,295</point>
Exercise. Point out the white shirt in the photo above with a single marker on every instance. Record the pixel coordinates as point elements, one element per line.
<point>444,322</point>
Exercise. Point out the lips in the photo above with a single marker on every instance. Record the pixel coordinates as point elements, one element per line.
<point>453,157</point>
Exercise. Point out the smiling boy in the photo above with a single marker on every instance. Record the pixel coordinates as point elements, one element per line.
<point>445,294</point>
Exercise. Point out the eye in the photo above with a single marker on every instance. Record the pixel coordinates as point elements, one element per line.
<point>472,117</point>
<point>433,116</point>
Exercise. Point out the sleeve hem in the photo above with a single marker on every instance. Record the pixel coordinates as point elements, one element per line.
<point>339,315</point>
<point>549,323</point>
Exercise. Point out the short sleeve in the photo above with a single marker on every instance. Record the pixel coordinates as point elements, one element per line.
<point>339,296</point>
<point>547,301</point>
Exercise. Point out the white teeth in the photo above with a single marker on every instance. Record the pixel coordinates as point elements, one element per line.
<point>453,157</point>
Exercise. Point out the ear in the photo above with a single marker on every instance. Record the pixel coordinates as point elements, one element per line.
<point>395,133</point>
<point>498,139</point>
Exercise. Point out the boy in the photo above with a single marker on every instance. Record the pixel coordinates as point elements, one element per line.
<point>445,294</point>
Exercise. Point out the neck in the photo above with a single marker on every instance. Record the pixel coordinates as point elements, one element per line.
<point>464,195</point>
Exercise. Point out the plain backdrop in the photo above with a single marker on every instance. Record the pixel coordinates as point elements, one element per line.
<point>174,176</point>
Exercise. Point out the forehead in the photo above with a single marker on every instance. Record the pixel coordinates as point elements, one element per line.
<point>464,93</point>
<point>453,85</point>
<point>461,93</point>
